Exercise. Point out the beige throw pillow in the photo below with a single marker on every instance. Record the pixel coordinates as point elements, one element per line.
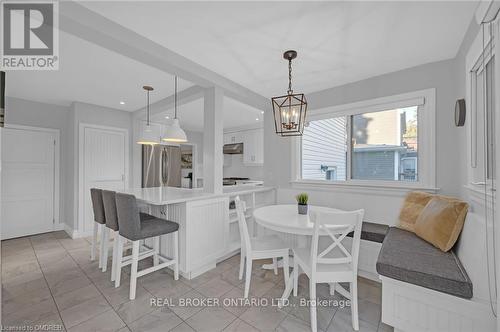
<point>414,203</point>
<point>441,221</point>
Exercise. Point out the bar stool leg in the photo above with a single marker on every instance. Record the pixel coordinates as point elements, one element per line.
<point>156,248</point>
<point>115,252</point>
<point>133,271</point>
<point>119,258</point>
<point>105,251</point>
<point>176,255</point>
<point>101,244</point>
<point>94,242</point>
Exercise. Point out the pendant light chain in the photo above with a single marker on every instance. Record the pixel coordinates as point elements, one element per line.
<point>290,91</point>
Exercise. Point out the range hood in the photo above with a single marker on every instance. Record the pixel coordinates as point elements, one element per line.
<point>236,148</point>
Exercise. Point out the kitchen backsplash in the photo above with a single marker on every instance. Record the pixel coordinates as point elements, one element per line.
<point>238,169</point>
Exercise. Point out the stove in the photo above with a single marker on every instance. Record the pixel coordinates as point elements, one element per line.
<point>232,181</point>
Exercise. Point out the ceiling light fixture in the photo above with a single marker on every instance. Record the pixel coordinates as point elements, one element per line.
<point>174,132</point>
<point>148,134</point>
<point>122,103</point>
<point>289,110</point>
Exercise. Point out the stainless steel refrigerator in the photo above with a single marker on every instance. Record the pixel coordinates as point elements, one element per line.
<point>161,166</point>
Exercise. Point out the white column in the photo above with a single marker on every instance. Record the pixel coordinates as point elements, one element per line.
<point>212,140</point>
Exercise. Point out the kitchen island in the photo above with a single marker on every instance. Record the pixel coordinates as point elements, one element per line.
<point>208,227</point>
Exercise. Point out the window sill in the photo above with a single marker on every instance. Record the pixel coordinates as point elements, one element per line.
<point>362,186</point>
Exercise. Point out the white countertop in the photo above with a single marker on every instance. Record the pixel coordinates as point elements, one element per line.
<point>172,195</point>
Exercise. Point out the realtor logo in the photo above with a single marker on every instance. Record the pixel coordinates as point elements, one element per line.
<point>30,35</point>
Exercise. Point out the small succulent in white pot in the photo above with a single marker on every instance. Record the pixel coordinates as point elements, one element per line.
<point>302,202</point>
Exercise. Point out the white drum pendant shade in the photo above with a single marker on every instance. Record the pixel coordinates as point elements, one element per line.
<point>174,132</point>
<point>148,133</point>
<point>148,136</point>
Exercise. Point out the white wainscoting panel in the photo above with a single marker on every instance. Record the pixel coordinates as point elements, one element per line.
<point>205,234</point>
<point>412,308</point>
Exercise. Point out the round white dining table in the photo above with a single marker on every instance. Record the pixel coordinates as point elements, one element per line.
<point>286,219</point>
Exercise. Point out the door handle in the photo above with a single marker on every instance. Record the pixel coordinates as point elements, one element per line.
<point>164,167</point>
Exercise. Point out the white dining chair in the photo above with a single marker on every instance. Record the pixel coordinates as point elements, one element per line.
<point>329,261</point>
<point>264,247</point>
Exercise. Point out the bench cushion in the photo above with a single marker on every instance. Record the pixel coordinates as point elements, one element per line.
<point>372,232</point>
<point>406,257</point>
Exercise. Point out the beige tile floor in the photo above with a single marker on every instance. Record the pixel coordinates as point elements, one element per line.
<point>48,279</point>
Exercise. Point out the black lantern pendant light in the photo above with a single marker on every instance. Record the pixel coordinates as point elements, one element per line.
<point>289,110</point>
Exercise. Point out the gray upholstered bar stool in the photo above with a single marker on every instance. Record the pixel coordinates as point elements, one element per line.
<point>99,224</point>
<point>109,200</point>
<point>131,228</point>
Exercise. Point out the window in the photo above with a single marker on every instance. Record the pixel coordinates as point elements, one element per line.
<point>391,142</point>
<point>483,133</point>
<point>324,150</point>
<point>385,145</point>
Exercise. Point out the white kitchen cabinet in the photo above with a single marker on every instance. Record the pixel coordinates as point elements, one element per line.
<point>228,158</point>
<point>235,137</point>
<point>253,147</point>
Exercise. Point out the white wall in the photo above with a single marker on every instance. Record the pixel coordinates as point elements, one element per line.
<point>30,113</point>
<point>238,169</point>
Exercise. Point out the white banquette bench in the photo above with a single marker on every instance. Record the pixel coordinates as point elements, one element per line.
<point>425,289</point>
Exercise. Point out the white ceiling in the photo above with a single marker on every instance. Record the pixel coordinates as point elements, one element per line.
<point>92,74</point>
<point>337,42</point>
<point>190,115</point>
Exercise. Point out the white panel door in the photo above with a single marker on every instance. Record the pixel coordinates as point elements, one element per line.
<point>28,182</point>
<point>104,165</point>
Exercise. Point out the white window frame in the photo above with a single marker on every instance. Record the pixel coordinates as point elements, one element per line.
<point>473,62</point>
<point>426,119</point>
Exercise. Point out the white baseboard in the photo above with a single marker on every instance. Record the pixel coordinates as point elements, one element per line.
<point>59,227</point>
<point>75,234</point>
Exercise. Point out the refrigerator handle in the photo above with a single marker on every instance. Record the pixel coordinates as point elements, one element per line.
<point>164,167</point>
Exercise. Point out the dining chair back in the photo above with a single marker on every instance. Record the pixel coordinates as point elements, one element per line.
<point>333,227</point>
<point>258,248</point>
<point>330,261</point>
<point>241,208</point>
